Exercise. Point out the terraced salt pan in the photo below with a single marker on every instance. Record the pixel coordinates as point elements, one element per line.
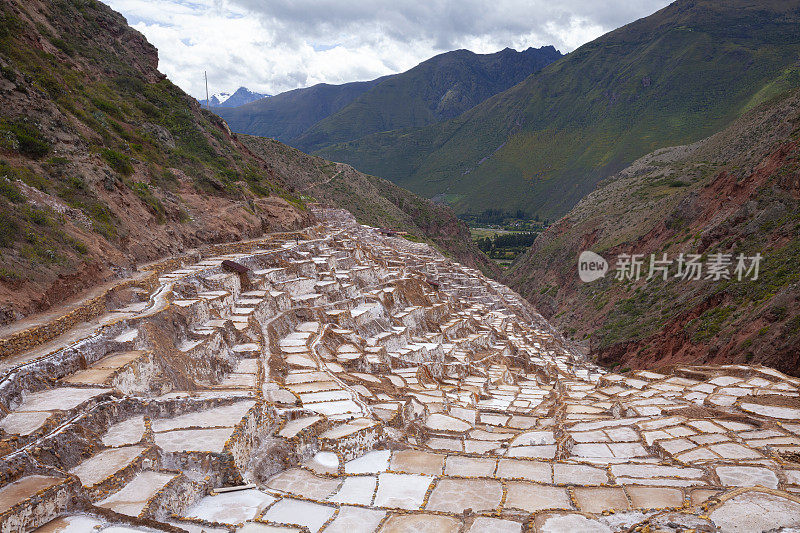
<point>658,497</point>
<point>456,495</point>
<point>530,470</point>
<point>481,447</point>
<point>197,440</point>
<point>747,476</point>
<point>303,513</point>
<point>756,511</point>
<point>99,467</point>
<point>338,407</point>
<point>496,436</point>
<point>578,474</point>
<point>784,413</point>
<point>246,366</point>
<point>356,490</point>
<point>351,427</point>
<point>457,465</point>
<point>326,396</point>
<point>227,415</point>
<point>238,381</point>
<point>314,386</point>
<point>417,462</point>
<point>538,452</point>
<point>517,444</point>
<point>647,471</point>
<point>303,483</point>
<point>60,399</point>
<point>99,372</point>
<point>24,423</point>
<point>231,507</point>
<point>133,497</point>
<point>532,498</point>
<point>23,488</point>
<point>309,327</point>
<point>352,519</point>
<point>83,523</point>
<point>533,438</point>
<point>486,524</point>
<point>422,523</point>
<point>369,463</point>
<point>572,523</point>
<point>90,376</point>
<point>598,499</point>
<point>609,452</point>
<point>295,377</point>
<point>323,463</point>
<point>293,427</point>
<point>248,348</point>
<point>404,491</point>
<point>440,422</point>
<point>302,360</point>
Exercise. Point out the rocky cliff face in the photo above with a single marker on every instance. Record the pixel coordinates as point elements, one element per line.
<point>734,193</point>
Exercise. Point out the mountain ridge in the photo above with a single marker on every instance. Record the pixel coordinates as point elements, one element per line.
<point>441,87</point>
<point>287,115</point>
<point>437,89</point>
<point>673,77</point>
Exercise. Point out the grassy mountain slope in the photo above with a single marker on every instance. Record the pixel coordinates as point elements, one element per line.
<point>373,201</point>
<point>673,77</point>
<point>735,192</point>
<point>440,88</point>
<point>287,115</point>
<point>105,164</point>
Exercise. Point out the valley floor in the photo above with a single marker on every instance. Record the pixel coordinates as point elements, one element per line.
<point>335,379</point>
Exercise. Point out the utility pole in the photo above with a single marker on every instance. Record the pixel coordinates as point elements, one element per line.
<point>208,102</point>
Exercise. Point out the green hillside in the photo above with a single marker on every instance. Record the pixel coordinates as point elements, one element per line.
<point>670,78</point>
<point>735,192</point>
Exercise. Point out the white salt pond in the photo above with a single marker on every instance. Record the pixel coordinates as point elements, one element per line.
<point>231,507</point>
<point>302,513</point>
<point>369,463</point>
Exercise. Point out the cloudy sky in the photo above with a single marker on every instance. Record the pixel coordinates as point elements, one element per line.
<point>272,46</point>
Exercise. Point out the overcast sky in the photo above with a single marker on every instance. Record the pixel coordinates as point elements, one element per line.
<point>272,46</point>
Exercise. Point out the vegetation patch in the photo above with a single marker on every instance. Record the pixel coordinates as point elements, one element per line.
<point>507,246</point>
<point>144,193</point>
<point>119,162</point>
<point>710,323</point>
<point>10,191</point>
<point>25,137</point>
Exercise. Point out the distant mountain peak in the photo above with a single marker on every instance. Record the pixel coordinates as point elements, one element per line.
<point>241,96</point>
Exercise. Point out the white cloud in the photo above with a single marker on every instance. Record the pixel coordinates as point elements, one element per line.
<point>277,45</point>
